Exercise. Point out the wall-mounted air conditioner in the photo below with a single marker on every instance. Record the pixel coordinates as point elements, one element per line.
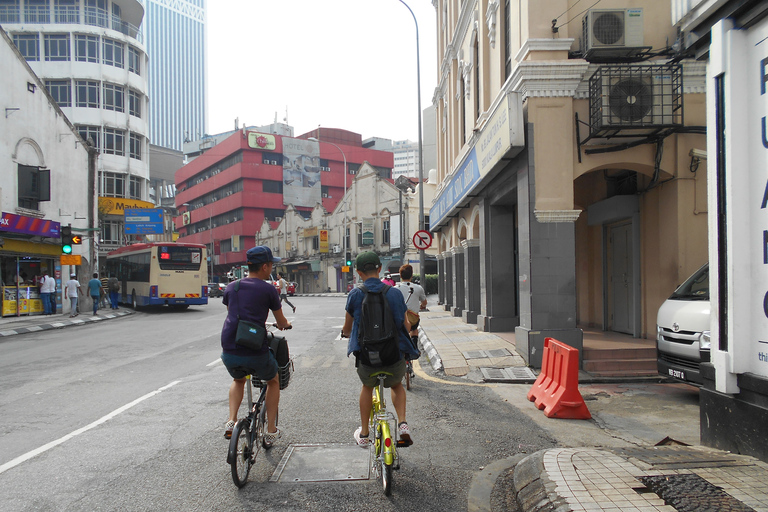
<point>336,249</point>
<point>273,162</point>
<point>325,195</point>
<point>608,33</point>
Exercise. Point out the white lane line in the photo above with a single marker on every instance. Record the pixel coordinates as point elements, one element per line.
<point>212,363</point>
<point>37,451</point>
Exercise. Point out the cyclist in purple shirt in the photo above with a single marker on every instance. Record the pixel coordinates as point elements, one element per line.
<point>252,302</point>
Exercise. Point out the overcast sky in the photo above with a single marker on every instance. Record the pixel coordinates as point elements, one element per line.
<point>347,64</point>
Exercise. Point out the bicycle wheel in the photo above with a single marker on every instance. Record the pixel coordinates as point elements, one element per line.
<point>408,371</point>
<point>243,453</point>
<point>386,478</point>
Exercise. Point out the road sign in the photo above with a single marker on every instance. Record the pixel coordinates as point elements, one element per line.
<point>345,268</point>
<point>143,221</point>
<point>422,239</point>
<point>70,259</point>
<point>77,239</point>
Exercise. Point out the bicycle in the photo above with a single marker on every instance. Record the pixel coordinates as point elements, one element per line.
<point>384,447</point>
<point>249,433</point>
<point>409,375</point>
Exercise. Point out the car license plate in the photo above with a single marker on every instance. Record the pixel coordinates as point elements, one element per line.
<point>678,374</point>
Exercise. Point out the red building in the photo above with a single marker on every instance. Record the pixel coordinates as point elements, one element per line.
<point>225,194</point>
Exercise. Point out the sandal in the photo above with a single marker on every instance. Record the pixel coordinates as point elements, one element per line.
<point>362,441</point>
<point>228,426</point>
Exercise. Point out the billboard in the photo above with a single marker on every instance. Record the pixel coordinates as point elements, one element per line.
<point>301,172</point>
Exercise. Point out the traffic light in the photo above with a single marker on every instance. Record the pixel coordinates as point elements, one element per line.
<point>349,259</point>
<point>66,240</point>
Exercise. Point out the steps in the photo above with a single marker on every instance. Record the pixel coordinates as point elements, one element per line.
<point>620,362</point>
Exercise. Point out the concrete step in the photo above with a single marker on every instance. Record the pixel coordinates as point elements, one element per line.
<point>620,365</point>
<point>619,353</point>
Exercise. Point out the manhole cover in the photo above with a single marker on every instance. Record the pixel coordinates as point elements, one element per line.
<point>322,462</point>
<point>691,493</point>
<point>481,354</point>
<point>514,374</point>
<point>674,457</point>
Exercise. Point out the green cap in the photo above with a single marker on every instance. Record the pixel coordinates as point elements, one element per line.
<point>367,261</point>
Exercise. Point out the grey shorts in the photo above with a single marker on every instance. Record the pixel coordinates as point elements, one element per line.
<point>397,370</point>
<point>262,367</point>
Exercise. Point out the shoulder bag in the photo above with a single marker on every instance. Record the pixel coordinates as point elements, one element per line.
<point>249,334</point>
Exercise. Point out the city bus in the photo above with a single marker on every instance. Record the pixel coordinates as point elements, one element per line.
<point>160,273</point>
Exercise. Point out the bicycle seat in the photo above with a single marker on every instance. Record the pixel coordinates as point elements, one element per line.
<point>386,374</point>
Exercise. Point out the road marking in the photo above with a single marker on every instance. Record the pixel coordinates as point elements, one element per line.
<point>22,458</point>
<point>217,361</point>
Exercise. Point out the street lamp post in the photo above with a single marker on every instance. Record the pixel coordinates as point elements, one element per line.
<point>210,234</point>
<point>346,204</point>
<point>421,153</point>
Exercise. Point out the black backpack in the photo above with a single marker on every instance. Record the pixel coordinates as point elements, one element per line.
<point>377,333</point>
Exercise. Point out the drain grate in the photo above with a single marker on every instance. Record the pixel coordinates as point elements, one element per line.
<point>323,462</point>
<point>514,374</point>
<point>485,354</point>
<point>678,457</point>
<point>691,493</point>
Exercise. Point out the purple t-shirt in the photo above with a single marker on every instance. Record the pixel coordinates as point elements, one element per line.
<point>252,301</point>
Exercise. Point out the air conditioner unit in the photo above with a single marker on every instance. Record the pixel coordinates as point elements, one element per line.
<point>635,98</point>
<point>612,33</point>
<point>325,195</point>
<point>273,162</point>
<point>278,219</point>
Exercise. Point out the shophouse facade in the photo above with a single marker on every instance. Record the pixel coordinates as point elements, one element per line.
<point>91,57</point>
<point>49,177</point>
<point>567,197</point>
<point>380,216</point>
<point>225,194</point>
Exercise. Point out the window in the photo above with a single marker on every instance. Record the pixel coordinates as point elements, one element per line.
<point>61,90</point>
<point>135,188</point>
<point>385,232</point>
<point>134,60</point>
<point>34,186</point>
<point>28,45</point>
<point>112,185</point>
<point>36,11</point>
<point>96,13</point>
<point>86,48</point>
<point>87,93</point>
<point>113,53</point>
<point>134,103</point>
<point>66,11</point>
<point>315,243</point>
<point>134,150</point>
<point>507,39</point>
<point>9,11</point>
<point>56,47</point>
<point>114,141</point>
<point>114,97</point>
<point>111,232</point>
<point>90,132</point>
<point>275,187</point>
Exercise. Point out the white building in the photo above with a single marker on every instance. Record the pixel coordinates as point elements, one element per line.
<point>48,180</point>
<point>175,36</point>
<point>90,55</point>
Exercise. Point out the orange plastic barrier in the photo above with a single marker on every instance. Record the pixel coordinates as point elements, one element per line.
<point>556,390</point>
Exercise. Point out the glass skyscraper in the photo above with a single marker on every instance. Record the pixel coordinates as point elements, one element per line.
<point>176,38</point>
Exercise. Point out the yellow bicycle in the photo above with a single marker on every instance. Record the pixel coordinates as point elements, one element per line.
<point>385,458</point>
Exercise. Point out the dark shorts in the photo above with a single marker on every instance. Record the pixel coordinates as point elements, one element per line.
<point>397,370</point>
<point>262,367</point>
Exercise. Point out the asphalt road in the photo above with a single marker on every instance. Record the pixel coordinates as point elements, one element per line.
<point>128,415</point>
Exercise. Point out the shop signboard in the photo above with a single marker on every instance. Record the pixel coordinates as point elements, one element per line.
<point>263,141</point>
<point>144,221</point>
<point>368,238</point>
<point>324,240</point>
<point>13,223</point>
<point>118,205</point>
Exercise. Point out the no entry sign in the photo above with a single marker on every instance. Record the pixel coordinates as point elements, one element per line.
<point>422,239</point>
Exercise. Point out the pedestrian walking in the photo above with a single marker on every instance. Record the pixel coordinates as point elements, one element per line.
<point>284,291</point>
<point>95,290</point>
<point>72,289</point>
<point>47,289</point>
<point>104,292</point>
<point>114,287</point>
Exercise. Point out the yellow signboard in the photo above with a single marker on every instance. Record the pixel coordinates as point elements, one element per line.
<point>71,259</point>
<point>310,232</point>
<point>324,240</point>
<point>261,141</point>
<point>345,268</point>
<point>118,205</point>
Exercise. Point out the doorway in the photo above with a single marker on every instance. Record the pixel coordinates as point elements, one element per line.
<point>620,278</point>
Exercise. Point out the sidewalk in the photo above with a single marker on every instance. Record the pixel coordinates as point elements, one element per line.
<point>617,472</point>
<point>11,326</point>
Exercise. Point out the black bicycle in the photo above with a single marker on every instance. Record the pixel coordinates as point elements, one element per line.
<point>249,433</point>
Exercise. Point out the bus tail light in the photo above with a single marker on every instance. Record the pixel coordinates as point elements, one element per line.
<point>205,291</point>
<point>153,291</point>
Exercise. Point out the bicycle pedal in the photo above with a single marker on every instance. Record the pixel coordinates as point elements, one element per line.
<point>403,444</point>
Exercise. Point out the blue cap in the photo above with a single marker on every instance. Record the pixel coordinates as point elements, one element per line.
<point>261,254</point>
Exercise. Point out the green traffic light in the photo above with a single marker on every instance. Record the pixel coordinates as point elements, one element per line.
<point>66,249</point>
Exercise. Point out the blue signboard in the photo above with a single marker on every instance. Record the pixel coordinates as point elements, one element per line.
<point>463,181</point>
<point>144,221</point>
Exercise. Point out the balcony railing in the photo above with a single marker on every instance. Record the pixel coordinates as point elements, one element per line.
<point>93,16</point>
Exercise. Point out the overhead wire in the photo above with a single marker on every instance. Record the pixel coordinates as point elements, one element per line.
<point>582,12</point>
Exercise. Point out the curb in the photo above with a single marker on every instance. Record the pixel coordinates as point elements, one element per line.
<point>483,482</point>
<point>430,350</point>
<point>68,322</point>
<point>532,486</point>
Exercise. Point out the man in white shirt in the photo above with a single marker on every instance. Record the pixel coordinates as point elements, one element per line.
<point>72,289</point>
<point>284,291</point>
<point>415,298</point>
<point>47,292</point>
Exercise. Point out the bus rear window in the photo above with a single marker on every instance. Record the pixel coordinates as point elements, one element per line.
<point>179,258</point>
